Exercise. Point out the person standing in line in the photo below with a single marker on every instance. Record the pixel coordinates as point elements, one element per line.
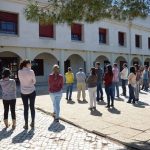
<point>55,83</point>
<point>124,78</point>
<point>100,74</point>
<point>81,85</point>
<point>138,78</point>
<point>145,77</point>
<point>69,82</point>
<point>116,79</point>
<point>92,84</point>
<point>27,81</point>
<point>9,97</point>
<point>108,82</point>
<point>132,85</point>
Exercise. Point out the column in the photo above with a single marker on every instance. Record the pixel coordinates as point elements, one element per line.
<point>61,62</point>
<point>129,60</point>
<point>88,62</point>
<point>143,59</point>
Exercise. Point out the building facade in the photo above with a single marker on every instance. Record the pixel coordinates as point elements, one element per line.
<point>78,45</point>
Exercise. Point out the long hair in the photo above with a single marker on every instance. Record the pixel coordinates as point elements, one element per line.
<point>132,70</point>
<point>6,73</point>
<point>24,63</point>
<point>93,71</point>
<point>109,69</point>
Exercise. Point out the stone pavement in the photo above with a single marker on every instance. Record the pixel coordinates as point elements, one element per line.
<point>126,123</point>
<point>48,135</point>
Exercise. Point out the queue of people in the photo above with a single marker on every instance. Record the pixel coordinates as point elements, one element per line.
<point>136,77</point>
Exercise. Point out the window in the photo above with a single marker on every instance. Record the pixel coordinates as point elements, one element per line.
<point>76,32</point>
<point>38,67</point>
<point>121,38</point>
<point>103,35</point>
<point>8,23</point>
<point>138,41</point>
<point>149,42</point>
<point>46,30</point>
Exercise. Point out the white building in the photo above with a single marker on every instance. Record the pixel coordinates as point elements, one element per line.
<point>77,46</point>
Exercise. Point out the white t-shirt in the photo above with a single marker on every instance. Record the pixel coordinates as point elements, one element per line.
<point>124,74</point>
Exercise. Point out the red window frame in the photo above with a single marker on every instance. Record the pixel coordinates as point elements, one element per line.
<point>76,32</point>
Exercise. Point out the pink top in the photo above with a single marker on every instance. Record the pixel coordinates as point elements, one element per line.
<point>27,80</point>
<point>115,74</point>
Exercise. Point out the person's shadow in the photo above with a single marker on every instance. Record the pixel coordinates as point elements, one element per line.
<point>101,103</point>
<point>5,134</point>
<point>70,102</point>
<point>82,102</point>
<point>114,110</point>
<point>95,112</point>
<point>24,135</point>
<point>140,104</point>
<point>56,127</point>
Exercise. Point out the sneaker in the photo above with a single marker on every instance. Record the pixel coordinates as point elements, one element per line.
<point>56,120</point>
<point>25,127</point>
<point>32,125</point>
<point>129,101</point>
<point>108,106</point>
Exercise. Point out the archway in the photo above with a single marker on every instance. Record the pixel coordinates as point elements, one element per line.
<point>136,60</point>
<point>10,60</point>
<point>120,61</point>
<point>147,62</point>
<point>42,66</point>
<point>75,62</point>
<point>103,61</point>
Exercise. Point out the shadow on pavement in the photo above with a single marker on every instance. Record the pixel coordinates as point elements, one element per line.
<point>95,112</point>
<point>101,103</point>
<point>119,99</point>
<point>70,102</point>
<point>22,136</point>
<point>82,102</point>
<point>56,127</point>
<point>5,134</point>
<point>143,93</point>
<point>141,104</point>
<point>114,110</point>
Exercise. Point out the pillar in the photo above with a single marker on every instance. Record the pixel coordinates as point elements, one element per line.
<point>88,62</point>
<point>61,62</point>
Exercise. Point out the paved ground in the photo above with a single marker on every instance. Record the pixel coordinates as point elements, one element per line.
<point>48,135</point>
<point>126,123</point>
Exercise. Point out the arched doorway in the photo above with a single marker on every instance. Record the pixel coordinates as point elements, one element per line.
<point>120,61</point>
<point>75,62</point>
<point>103,61</point>
<point>42,66</point>
<point>147,62</point>
<point>135,60</point>
<point>10,60</point>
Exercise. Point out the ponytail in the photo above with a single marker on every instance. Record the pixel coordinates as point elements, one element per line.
<point>24,63</point>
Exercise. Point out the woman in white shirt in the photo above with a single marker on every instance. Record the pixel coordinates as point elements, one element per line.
<point>132,85</point>
<point>27,81</point>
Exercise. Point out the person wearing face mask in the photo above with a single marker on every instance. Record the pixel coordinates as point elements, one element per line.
<point>27,83</point>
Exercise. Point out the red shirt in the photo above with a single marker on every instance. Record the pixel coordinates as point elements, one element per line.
<point>108,79</point>
<point>55,83</point>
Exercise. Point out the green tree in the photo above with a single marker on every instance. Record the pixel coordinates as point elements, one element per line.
<point>60,11</point>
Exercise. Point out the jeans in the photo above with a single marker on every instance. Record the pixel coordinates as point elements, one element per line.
<point>131,93</point>
<point>99,91</point>
<point>137,90</point>
<point>92,95</point>
<point>110,94</point>
<point>116,86</point>
<point>81,87</point>
<point>145,84</point>
<point>56,97</point>
<point>124,86</point>
<point>69,91</point>
<point>12,105</point>
<point>26,98</point>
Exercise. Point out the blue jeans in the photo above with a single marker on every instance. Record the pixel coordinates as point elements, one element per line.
<point>99,91</point>
<point>56,97</point>
<point>69,91</point>
<point>145,84</point>
<point>110,94</point>
<point>131,93</point>
<point>116,86</point>
<point>124,82</point>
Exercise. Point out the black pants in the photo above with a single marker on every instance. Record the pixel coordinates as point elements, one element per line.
<point>26,98</point>
<point>12,105</point>
<point>124,82</point>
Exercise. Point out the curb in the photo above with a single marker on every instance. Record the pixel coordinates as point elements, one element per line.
<point>131,147</point>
